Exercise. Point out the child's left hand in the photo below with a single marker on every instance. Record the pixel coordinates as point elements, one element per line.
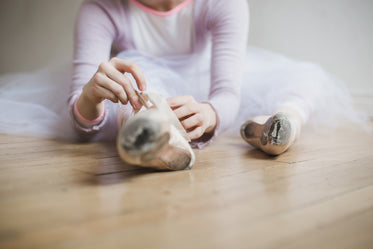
<point>196,118</point>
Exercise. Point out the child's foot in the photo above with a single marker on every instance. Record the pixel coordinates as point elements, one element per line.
<point>149,139</point>
<point>271,134</point>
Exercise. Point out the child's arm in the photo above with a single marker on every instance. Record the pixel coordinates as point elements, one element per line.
<point>95,77</point>
<point>228,22</point>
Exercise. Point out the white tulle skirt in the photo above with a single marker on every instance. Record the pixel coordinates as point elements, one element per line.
<point>35,104</point>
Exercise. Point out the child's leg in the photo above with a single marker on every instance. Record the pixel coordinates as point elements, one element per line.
<point>297,111</point>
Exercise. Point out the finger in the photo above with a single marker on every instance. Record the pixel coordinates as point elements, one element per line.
<point>196,133</point>
<point>103,93</point>
<point>126,83</point>
<point>114,74</point>
<point>185,111</point>
<point>130,67</point>
<point>131,93</point>
<point>112,86</point>
<point>178,101</point>
<point>192,121</point>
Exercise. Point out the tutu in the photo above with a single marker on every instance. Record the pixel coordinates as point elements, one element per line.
<point>35,104</point>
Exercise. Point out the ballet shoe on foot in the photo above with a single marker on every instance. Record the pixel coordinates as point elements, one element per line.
<point>150,139</point>
<point>273,135</point>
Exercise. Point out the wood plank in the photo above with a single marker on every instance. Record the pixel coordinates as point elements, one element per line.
<point>57,194</point>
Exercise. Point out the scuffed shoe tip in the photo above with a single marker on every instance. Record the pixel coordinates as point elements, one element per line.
<point>150,139</point>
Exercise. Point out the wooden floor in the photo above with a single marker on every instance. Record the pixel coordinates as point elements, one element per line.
<point>61,195</point>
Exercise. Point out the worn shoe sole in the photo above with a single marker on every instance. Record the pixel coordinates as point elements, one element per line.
<point>272,137</point>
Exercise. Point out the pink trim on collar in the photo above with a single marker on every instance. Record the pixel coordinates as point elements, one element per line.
<point>162,13</point>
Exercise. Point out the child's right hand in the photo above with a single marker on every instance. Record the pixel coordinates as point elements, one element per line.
<point>110,82</point>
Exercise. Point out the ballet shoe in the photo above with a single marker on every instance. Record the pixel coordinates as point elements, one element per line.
<point>271,134</point>
<point>151,139</point>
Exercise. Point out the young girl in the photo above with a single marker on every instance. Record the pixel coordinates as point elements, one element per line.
<point>193,53</point>
<point>158,29</point>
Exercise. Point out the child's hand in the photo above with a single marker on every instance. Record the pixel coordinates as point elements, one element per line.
<point>110,82</point>
<point>196,118</point>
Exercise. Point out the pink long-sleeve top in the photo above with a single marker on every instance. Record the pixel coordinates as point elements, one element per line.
<point>103,26</point>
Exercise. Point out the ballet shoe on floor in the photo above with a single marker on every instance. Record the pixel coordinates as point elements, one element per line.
<point>152,138</point>
<point>271,134</point>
